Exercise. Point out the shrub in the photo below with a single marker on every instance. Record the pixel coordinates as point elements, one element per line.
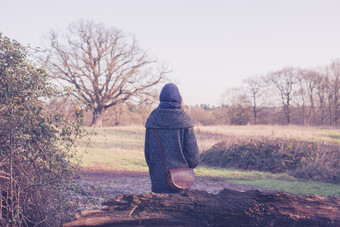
<point>299,158</point>
<point>35,145</point>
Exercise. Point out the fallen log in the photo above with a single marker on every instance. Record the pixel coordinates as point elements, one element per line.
<point>227,208</point>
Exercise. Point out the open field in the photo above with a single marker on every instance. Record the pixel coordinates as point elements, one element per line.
<point>117,148</point>
<point>122,148</point>
<point>214,134</point>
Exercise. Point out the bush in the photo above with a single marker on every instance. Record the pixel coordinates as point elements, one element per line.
<point>35,145</point>
<point>302,159</point>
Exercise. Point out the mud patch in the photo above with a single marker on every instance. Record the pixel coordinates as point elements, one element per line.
<point>99,185</point>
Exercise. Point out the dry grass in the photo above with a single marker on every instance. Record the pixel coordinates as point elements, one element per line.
<point>207,136</point>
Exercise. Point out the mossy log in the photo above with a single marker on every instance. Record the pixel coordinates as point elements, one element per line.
<point>227,208</point>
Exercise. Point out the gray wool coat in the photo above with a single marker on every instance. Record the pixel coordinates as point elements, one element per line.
<point>176,133</point>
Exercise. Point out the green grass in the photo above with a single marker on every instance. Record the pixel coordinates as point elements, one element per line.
<point>277,182</point>
<point>239,174</point>
<point>332,134</point>
<point>122,148</point>
<point>294,187</point>
<point>113,148</point>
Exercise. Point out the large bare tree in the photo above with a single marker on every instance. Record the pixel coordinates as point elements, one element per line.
<point>103,66</point>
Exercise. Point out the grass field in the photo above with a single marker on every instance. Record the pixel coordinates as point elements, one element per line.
<point>122,148</point>
<point>314,134</point>
<point>118,148</point>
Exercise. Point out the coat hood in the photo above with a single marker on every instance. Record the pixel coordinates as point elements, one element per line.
<point>169,119</point>
<point>170,97</point>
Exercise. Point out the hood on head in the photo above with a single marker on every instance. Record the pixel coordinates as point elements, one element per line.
<point>170,97</point>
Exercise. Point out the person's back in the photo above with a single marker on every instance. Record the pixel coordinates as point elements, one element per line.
<point>177,137</point>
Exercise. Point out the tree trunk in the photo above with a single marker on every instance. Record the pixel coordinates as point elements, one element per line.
<point>254,108</point>
<point>228,208</point>
<point>286,111</point>
<point>98,117</point>
<point>330,111</point>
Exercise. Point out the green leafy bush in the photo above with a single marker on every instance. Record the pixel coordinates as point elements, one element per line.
<point>35,145</point>
<point>302,159</point>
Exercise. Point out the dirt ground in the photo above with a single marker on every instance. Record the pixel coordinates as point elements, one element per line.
<point>98,186</point>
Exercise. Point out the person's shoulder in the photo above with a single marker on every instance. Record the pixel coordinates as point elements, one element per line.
<point>186,117</point>
<point>169,118</point>
<point>151,117</point>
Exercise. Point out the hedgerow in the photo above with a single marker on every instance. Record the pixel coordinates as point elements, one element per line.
<point>303,159</point>
<point>36,145</point>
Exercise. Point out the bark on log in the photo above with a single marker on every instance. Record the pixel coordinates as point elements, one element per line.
<point>228,208</point>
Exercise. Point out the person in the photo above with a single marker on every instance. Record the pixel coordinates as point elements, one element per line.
<point>177,137</point>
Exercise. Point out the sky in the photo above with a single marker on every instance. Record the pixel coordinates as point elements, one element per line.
<point>210,45</point>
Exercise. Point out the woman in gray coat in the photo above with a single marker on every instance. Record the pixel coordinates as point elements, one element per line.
<point>176,134</point>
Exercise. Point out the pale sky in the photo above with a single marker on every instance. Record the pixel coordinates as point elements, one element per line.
<point>210,45</point>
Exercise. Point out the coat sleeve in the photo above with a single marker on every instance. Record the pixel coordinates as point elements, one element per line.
<point>146,146</point>
<point>190,150</point>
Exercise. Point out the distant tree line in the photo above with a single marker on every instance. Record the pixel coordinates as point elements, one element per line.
<point>287,96</point>
<point>295,96</point>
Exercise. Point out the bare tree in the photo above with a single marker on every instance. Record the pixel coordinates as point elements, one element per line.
<point>314,83</point>
<point>238,105</point>
<point>321,82</point>
<point>335,89</point>
<point>104,66</point>
<point>330,99</point>
<point>300,95</point>
<point>284,80</point>
<point>118,111</point>
<point>254,86</point>
<point>234,95</point>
